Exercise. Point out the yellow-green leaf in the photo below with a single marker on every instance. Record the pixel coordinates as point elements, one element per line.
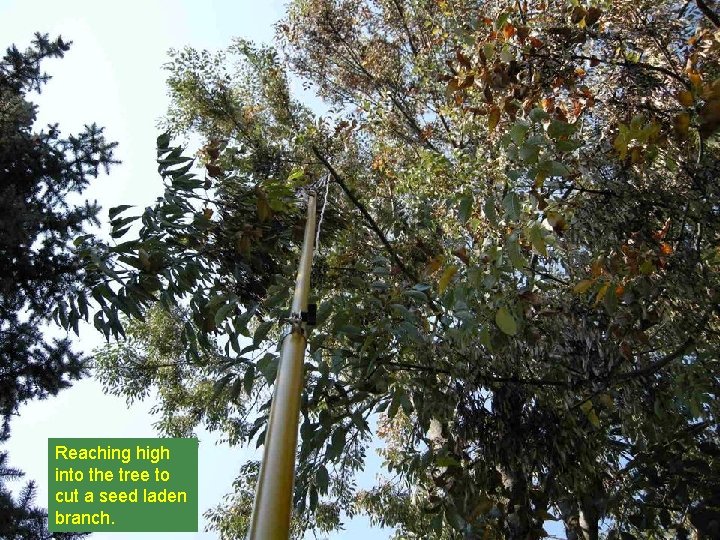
<point>513,251</point>
<point>601,293</point>
<point>647,267</point>
<point>582,286</point>
<point>505,321</point>
<point>587,408</point>
<point>434,264</point>
<point>622,140</point>
<point>537,240</point>
<point>446,277</point>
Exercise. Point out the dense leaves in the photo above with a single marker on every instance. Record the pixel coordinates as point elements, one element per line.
<point>519,279</point>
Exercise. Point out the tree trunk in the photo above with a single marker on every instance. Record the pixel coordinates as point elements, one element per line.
<point>589,523</point>
<point>571,519</point>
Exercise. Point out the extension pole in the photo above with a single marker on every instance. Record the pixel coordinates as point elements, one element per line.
<point>274,492</point>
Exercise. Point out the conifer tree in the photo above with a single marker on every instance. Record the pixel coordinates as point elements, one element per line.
<point>41,172</point>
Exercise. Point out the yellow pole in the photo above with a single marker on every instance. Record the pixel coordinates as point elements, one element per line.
<point>273,496</point>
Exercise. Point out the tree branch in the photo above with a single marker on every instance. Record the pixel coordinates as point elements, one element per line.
<point>371,223</point>
<point>709,13</point>
<point>624,63</point>
<point>656,366</point>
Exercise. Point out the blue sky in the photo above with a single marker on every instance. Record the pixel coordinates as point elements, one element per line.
<point>112,75</point>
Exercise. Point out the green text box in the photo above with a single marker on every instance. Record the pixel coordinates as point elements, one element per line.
<point>124,485</point>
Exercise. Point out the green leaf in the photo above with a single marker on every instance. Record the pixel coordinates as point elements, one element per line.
<point>506,54</point>
<point>163,141</point>
<point>323,312</point>
<point>403,312</point>
<point>395,403</point>
<point>406,404</point>
<point>587,408</point>
<point>337,444</point>
<point>610,300</point>
<point>553,168</point>
<point>529,153</point>
<point>501,20</point>
<point>485,337</point>
<point>518,131</point>
<point>538,240</point>
<point>568,146</point>
<point>416,295</point>
<point>513,250</point>
<point>409,329</point>
<point>261,332</point>
<point>446,461</point>
<point>234,393</point>
<point>119,233</point>
<point>221,384</point>
<point>582,286</point>
<point>223,312</point>
<point>322,479</point>
<point>249,379</point>
<point>488,50</point>
<point>647,267</point>
<point>297,174</point>
<point>180,172</point>
<point>267,365</point>
<point>538,115</point>
<point>276,297</point>
<point>455,519</point>
<point>115,210</point>
<point>511,204</point>
<point>187,184</point>
<point>558,128</point>
<point>505,321</point>
<point>465,208</point>
<point>489,210</point>
<point>351,331</point>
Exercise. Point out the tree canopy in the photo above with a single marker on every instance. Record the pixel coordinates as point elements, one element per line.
<point>517,272</point>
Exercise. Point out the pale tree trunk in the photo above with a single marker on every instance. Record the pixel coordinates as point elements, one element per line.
<point>589,522</point>
<point>580,523</point>
<point>571,519</point>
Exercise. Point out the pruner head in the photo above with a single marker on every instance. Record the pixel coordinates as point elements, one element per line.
<point>304,193</point>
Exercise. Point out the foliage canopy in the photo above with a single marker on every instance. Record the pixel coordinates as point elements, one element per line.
<point>518,266</point>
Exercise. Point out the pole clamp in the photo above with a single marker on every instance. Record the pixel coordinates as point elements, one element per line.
<point>298,321</point>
